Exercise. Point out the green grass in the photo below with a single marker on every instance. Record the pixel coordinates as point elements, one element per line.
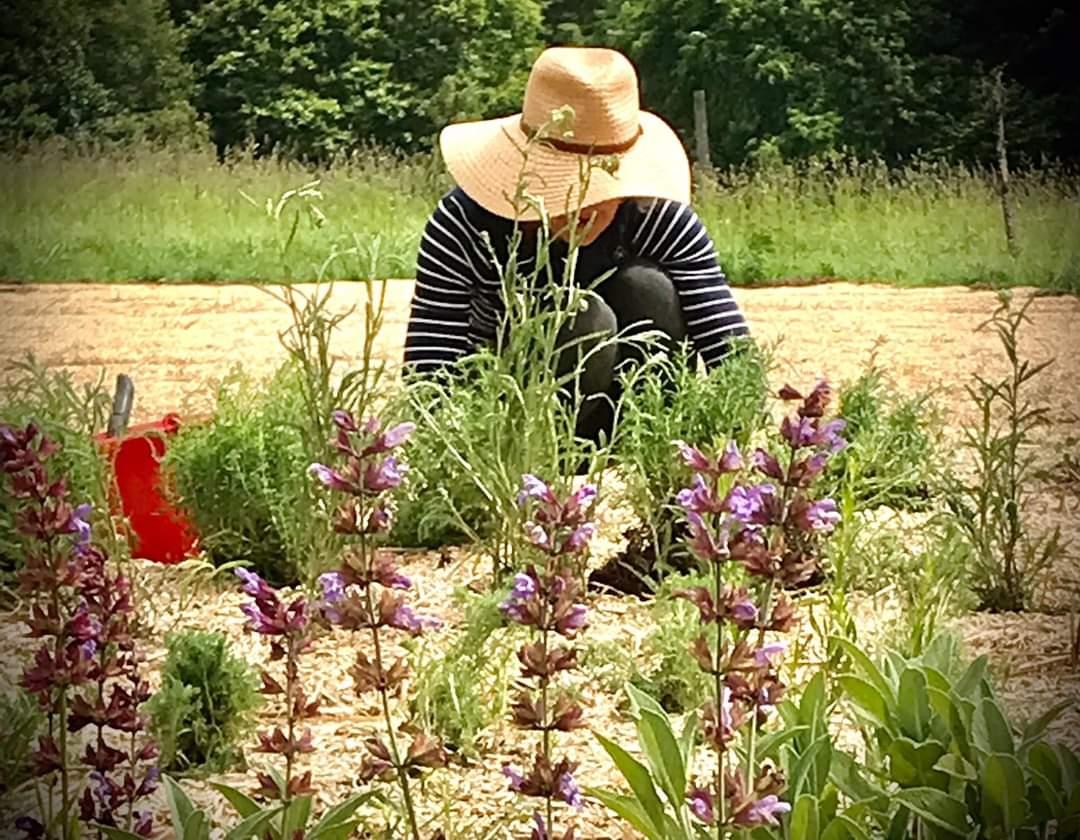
<point>142,213</point>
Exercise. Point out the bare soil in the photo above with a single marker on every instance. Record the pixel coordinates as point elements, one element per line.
<point>176,340</point>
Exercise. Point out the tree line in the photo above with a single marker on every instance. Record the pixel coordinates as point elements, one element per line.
<point>791,79</point>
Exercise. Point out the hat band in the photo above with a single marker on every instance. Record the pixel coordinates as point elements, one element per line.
<point>577,148</point>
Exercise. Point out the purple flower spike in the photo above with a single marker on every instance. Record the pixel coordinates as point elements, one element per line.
<point>799,432</point>
<point>731,460</point>
<point>569,792</point>
<point>333,587</point>
<point>702,542</point>
<point>765,811</point>
<point>698,497</point>
<point>539,831</point>
<point>533,488</point>
<point>694,457</point>
<point>329,478</point>
<point>574,620</point>
<point>767,655</point>
<point>767,463</point>
<point>405,618</point>
<point>579,539</point>
<point>516,779</point>
<point>701,805</point>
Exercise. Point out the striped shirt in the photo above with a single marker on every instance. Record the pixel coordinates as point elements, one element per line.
<point>458,302</point>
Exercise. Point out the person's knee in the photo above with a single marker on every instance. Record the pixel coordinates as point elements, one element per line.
<point>586,344</point>
<point>642,294</point>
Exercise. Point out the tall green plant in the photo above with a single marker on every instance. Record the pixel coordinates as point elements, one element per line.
<point>1007,556</point>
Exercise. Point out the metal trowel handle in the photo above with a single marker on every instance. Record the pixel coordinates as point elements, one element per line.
<point>123,399</point>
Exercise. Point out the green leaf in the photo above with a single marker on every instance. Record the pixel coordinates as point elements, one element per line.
<point>1004,792</point>
<point>337,831</point>
<point>243,804</point>
<point>1044,759</point>
<point>812,704</point>
<point>990,730</point>
<point>913,708</point>
<point>1034,730</point>
<point>639,779</point>
<point>686,740</point>
<point>936,808</point>
<point>251,826</point>
<point>912,765</point>
<point>844,827</point>
<point>629,809</point>
<point>869,669</point>
<point>342,812</point>
<point>662,750</point>
<point>180,806</point>
<point>1050,794</point>
<point>769,745</point>
<point>295,816</point>
<point>970,684</point>
<point>196,827</point>
<point>812,768</point>
<point>868,698</point>
<point>956,766</point>
<point>804,819</point>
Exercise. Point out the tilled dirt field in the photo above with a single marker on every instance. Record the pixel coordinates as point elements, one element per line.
<point>176,340</point>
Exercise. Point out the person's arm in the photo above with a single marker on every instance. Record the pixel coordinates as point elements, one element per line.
<point>673,237</point>
<point>438,330</point>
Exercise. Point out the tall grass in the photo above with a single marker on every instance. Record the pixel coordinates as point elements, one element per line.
<point>147,213</point>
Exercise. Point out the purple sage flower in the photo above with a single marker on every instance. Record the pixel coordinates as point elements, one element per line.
<point>581,498</point>
<point>79,525</point>
<point>694,457</point>
<point>405,618</point>
<point>539,831</point>
<point>765,811</point>
<point>574,620</point>
<point>343,420</point>
<point>702,541</point>
<point>579,538</point>
<point>744,612</point>
<point>516,779</point>
<point>767,463</point>
<point>88,649</point>
<point>767,654</point>
<point>330,478</point>
<point>385,475</point>
<point>698,497</point>
<point>333,587</point>
<point>731,460</point>
<point>829,435</point>
<point>701,805</point>
<point>537,535</point>
<point>533,488</point>
<point>394,437</point>
<point>820,516</point>
<point>257,620</point>
<point>254,585</point>
<point>524,587</point>
<point>799,432</point>
<point>750,505</point>
<point>569,792</point>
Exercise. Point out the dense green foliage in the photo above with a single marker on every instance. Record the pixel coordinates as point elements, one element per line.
<point>317,78</point>
<point>21,722</point>
<point>205,706</point>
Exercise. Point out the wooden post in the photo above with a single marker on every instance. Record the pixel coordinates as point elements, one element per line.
<point>1003,164</point>
<point>701,131</point>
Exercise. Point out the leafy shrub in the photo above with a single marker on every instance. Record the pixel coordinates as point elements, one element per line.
<point>66,413</point>
<point>892,454</point>
<point>669,399</point>
<point>205,705</point>
<point>461,693</point>
<point>20,721</point>
<point>242,477</point>
<point>950,759</point>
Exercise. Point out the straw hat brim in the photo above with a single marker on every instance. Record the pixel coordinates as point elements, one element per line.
<point>485,159</point>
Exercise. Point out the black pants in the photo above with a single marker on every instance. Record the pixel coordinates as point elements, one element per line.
<point>638,298</point>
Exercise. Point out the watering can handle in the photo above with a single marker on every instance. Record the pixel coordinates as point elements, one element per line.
<point>121,407</point>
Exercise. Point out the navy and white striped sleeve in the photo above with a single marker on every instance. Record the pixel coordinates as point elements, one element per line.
<point>672,236</point>
<point>438,330</point>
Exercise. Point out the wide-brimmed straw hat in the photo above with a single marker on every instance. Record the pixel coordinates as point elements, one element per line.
<point>601,88</point>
